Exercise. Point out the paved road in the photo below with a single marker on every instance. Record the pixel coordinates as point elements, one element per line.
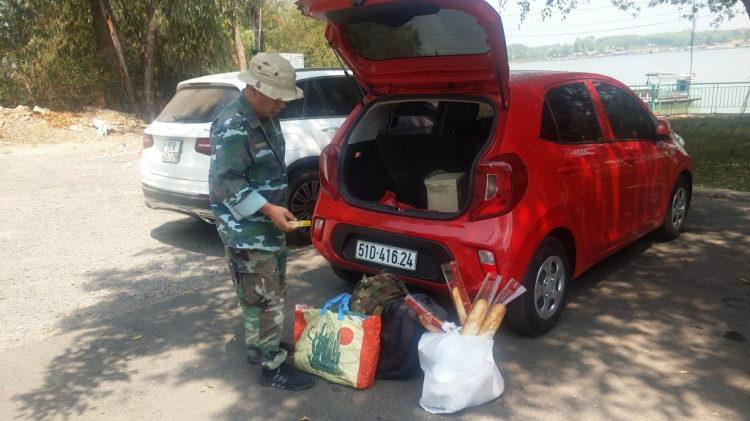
<point>656,332</point>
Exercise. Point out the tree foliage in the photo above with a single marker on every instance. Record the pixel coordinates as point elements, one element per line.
<point>725,9</point>
<point>52,53</point>
<point>285,30</point>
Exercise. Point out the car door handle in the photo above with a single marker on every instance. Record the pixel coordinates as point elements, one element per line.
<point>329,128</point>
<point>630,159</point>
<point>568,169</point>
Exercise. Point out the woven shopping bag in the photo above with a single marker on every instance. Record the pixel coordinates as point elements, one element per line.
<point>340,346</point>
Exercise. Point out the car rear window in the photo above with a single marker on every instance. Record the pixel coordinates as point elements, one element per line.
<point>569,115</point>
<point>448,32</point>
<point>197,104</point>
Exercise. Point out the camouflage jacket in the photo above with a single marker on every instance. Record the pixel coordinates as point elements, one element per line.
<point>247,170</point>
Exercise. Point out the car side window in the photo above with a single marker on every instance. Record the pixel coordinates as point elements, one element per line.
<point>339,94</point>
<point>627,115</point>
<point>549,128</point>
<point>293,109</point>
<point>570,111</point>
<point>314,104</point>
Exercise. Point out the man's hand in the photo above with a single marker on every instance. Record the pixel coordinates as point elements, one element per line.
<point>279,216</point>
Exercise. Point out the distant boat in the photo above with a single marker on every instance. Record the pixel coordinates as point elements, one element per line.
<point>668,88</point>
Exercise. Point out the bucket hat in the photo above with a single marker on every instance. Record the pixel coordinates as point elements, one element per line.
<point>273,76</point>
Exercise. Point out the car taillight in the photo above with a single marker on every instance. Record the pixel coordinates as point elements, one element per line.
<point>499,186</point>
<point>317,232</point>
<point>488,262</point>
<point>329,171</point>
<point>203,145</point>
<point>148,141</point>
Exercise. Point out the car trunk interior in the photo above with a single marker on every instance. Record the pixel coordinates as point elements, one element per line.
<point>416,154</point>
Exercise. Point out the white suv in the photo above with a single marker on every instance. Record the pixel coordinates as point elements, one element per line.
<point>177,148</point>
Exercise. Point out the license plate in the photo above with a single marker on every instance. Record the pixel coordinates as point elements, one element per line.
<point>385,255</point>
<point>172,150</point>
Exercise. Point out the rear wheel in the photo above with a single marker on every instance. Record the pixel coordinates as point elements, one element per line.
<point>537,310</point>
<point>677,209</point>
<point>304,191</point>
<point>347,275</point>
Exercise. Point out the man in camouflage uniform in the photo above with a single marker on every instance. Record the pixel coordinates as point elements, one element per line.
<point>248,189</point>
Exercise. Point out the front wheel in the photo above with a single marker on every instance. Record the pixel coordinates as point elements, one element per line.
<point>304,191</point>
<point>677,208</point>
<point>537,310</point>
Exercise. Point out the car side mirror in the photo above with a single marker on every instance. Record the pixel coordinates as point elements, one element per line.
<point>663,130</point>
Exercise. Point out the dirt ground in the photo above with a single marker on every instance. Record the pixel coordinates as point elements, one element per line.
<point>68,192</point>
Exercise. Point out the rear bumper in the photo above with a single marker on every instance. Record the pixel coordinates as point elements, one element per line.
<point>190,204</point>
<point>436,242</point>
<point>431,254</point>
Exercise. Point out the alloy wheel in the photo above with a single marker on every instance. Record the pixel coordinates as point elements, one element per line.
<point>302,204</point>
<point>679,208</point>
<point>548,289</point>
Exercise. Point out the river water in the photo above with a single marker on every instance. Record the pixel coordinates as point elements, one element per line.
<point>709,66</point>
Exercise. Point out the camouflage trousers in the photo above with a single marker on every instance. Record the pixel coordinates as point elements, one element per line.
<point>259,279</point>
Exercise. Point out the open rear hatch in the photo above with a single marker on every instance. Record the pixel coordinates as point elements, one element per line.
<point>437,74</point>
<point>417,46</point>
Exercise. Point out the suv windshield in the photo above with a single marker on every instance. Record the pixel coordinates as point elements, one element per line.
<point>197,105</point>
<point>448,32</point>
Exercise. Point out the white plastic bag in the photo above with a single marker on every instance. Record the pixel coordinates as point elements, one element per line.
<point>459,372</point>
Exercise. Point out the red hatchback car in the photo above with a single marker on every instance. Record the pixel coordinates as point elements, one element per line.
<point>535,176</point>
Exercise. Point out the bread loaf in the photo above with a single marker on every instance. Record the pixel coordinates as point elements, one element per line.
<point>459,304</point>
<point>476,316</point>
<point>493,320</point>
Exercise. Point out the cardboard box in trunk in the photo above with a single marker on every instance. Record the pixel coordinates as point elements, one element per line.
<point>446,191</point>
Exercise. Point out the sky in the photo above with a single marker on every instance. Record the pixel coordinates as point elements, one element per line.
<point>582,22</point>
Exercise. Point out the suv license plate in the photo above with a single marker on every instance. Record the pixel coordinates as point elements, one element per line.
<point>171,151</point>
<point>385,255</point>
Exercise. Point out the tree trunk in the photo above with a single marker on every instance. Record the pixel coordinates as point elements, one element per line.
<point>124,75</point>
<point>105,52</point>
<point>747,6</point>
<point>240,49</point>
<point>152,28</point>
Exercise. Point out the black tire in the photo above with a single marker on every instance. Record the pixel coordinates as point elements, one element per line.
<point>677,209</point>
<point>537,310</point>
<point>304,191</point>
<point>347,275</point>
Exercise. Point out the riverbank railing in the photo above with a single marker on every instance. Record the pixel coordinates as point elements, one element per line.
<point>695,98</point>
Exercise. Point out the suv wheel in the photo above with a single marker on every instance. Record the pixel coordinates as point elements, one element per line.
<point>304,191</point>
<point>537,310</point>
<point>677,209</point>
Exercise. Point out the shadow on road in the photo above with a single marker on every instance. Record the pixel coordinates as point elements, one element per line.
<point>643,333</point>
<point>190,234</point>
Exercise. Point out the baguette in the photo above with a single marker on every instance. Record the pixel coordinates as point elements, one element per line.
<point>476,316</point>
<point>459,304</point>
<point>429,327</point>
<point>493,320</point>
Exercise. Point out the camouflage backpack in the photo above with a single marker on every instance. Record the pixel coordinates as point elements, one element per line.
<point>372,294</point>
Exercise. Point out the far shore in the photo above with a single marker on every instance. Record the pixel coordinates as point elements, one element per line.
<point>650,50</point>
